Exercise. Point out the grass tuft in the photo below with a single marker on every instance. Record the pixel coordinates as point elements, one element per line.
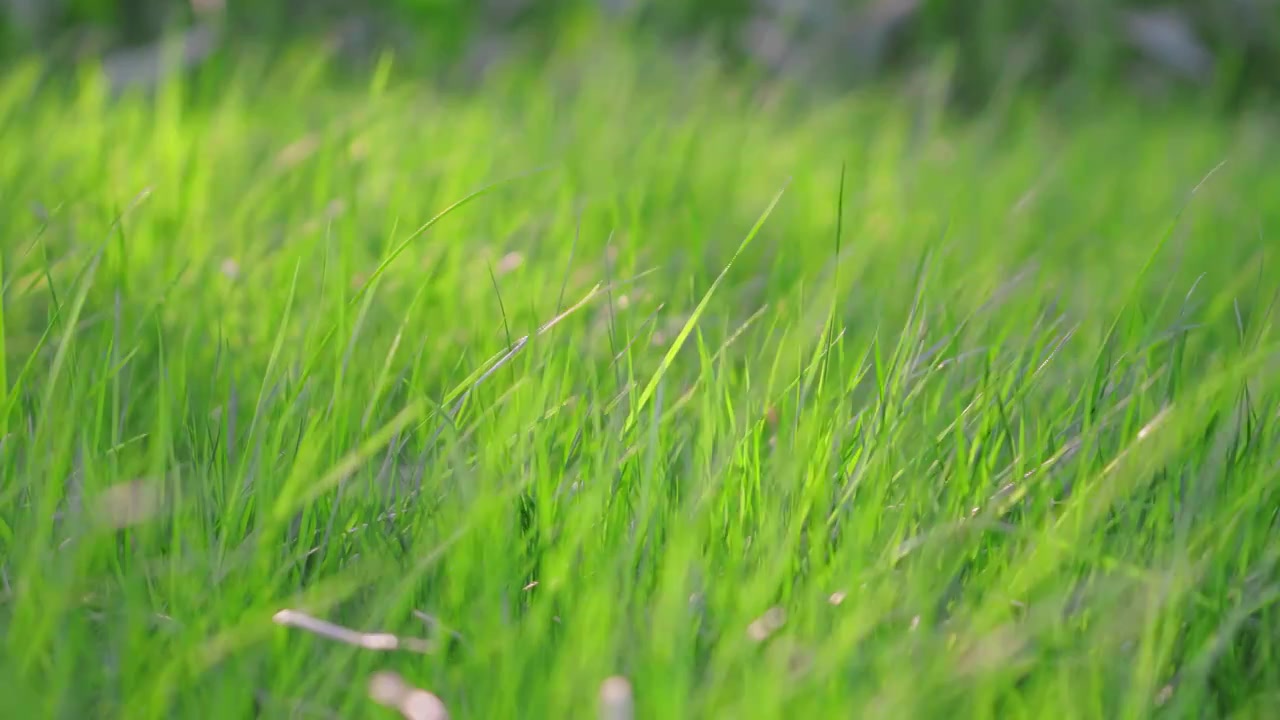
<point>1009,446</point>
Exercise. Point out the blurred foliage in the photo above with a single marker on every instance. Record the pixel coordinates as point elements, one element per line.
<point>1228,47</point>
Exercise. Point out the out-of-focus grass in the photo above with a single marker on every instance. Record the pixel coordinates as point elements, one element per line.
<point>980,420</point>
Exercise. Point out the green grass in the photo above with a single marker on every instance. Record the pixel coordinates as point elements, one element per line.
<point>978,420</point>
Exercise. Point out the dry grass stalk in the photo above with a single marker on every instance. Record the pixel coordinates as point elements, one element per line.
<point>390,690</point>
<point>616,702</point>
<point>338,633</point>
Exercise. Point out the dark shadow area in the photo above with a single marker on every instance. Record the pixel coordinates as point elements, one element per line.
<point>1226,52</point>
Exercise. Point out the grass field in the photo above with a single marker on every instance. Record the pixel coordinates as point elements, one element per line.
<point>842,409</point>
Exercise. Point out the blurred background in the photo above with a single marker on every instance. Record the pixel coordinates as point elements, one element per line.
<point>1227,51</point>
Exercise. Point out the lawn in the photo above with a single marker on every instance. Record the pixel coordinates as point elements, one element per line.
<point>618,367</point>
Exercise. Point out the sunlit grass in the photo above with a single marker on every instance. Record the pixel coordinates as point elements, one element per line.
<point>980,419</point>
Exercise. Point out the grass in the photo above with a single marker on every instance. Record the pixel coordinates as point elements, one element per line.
<point>855,411</point>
